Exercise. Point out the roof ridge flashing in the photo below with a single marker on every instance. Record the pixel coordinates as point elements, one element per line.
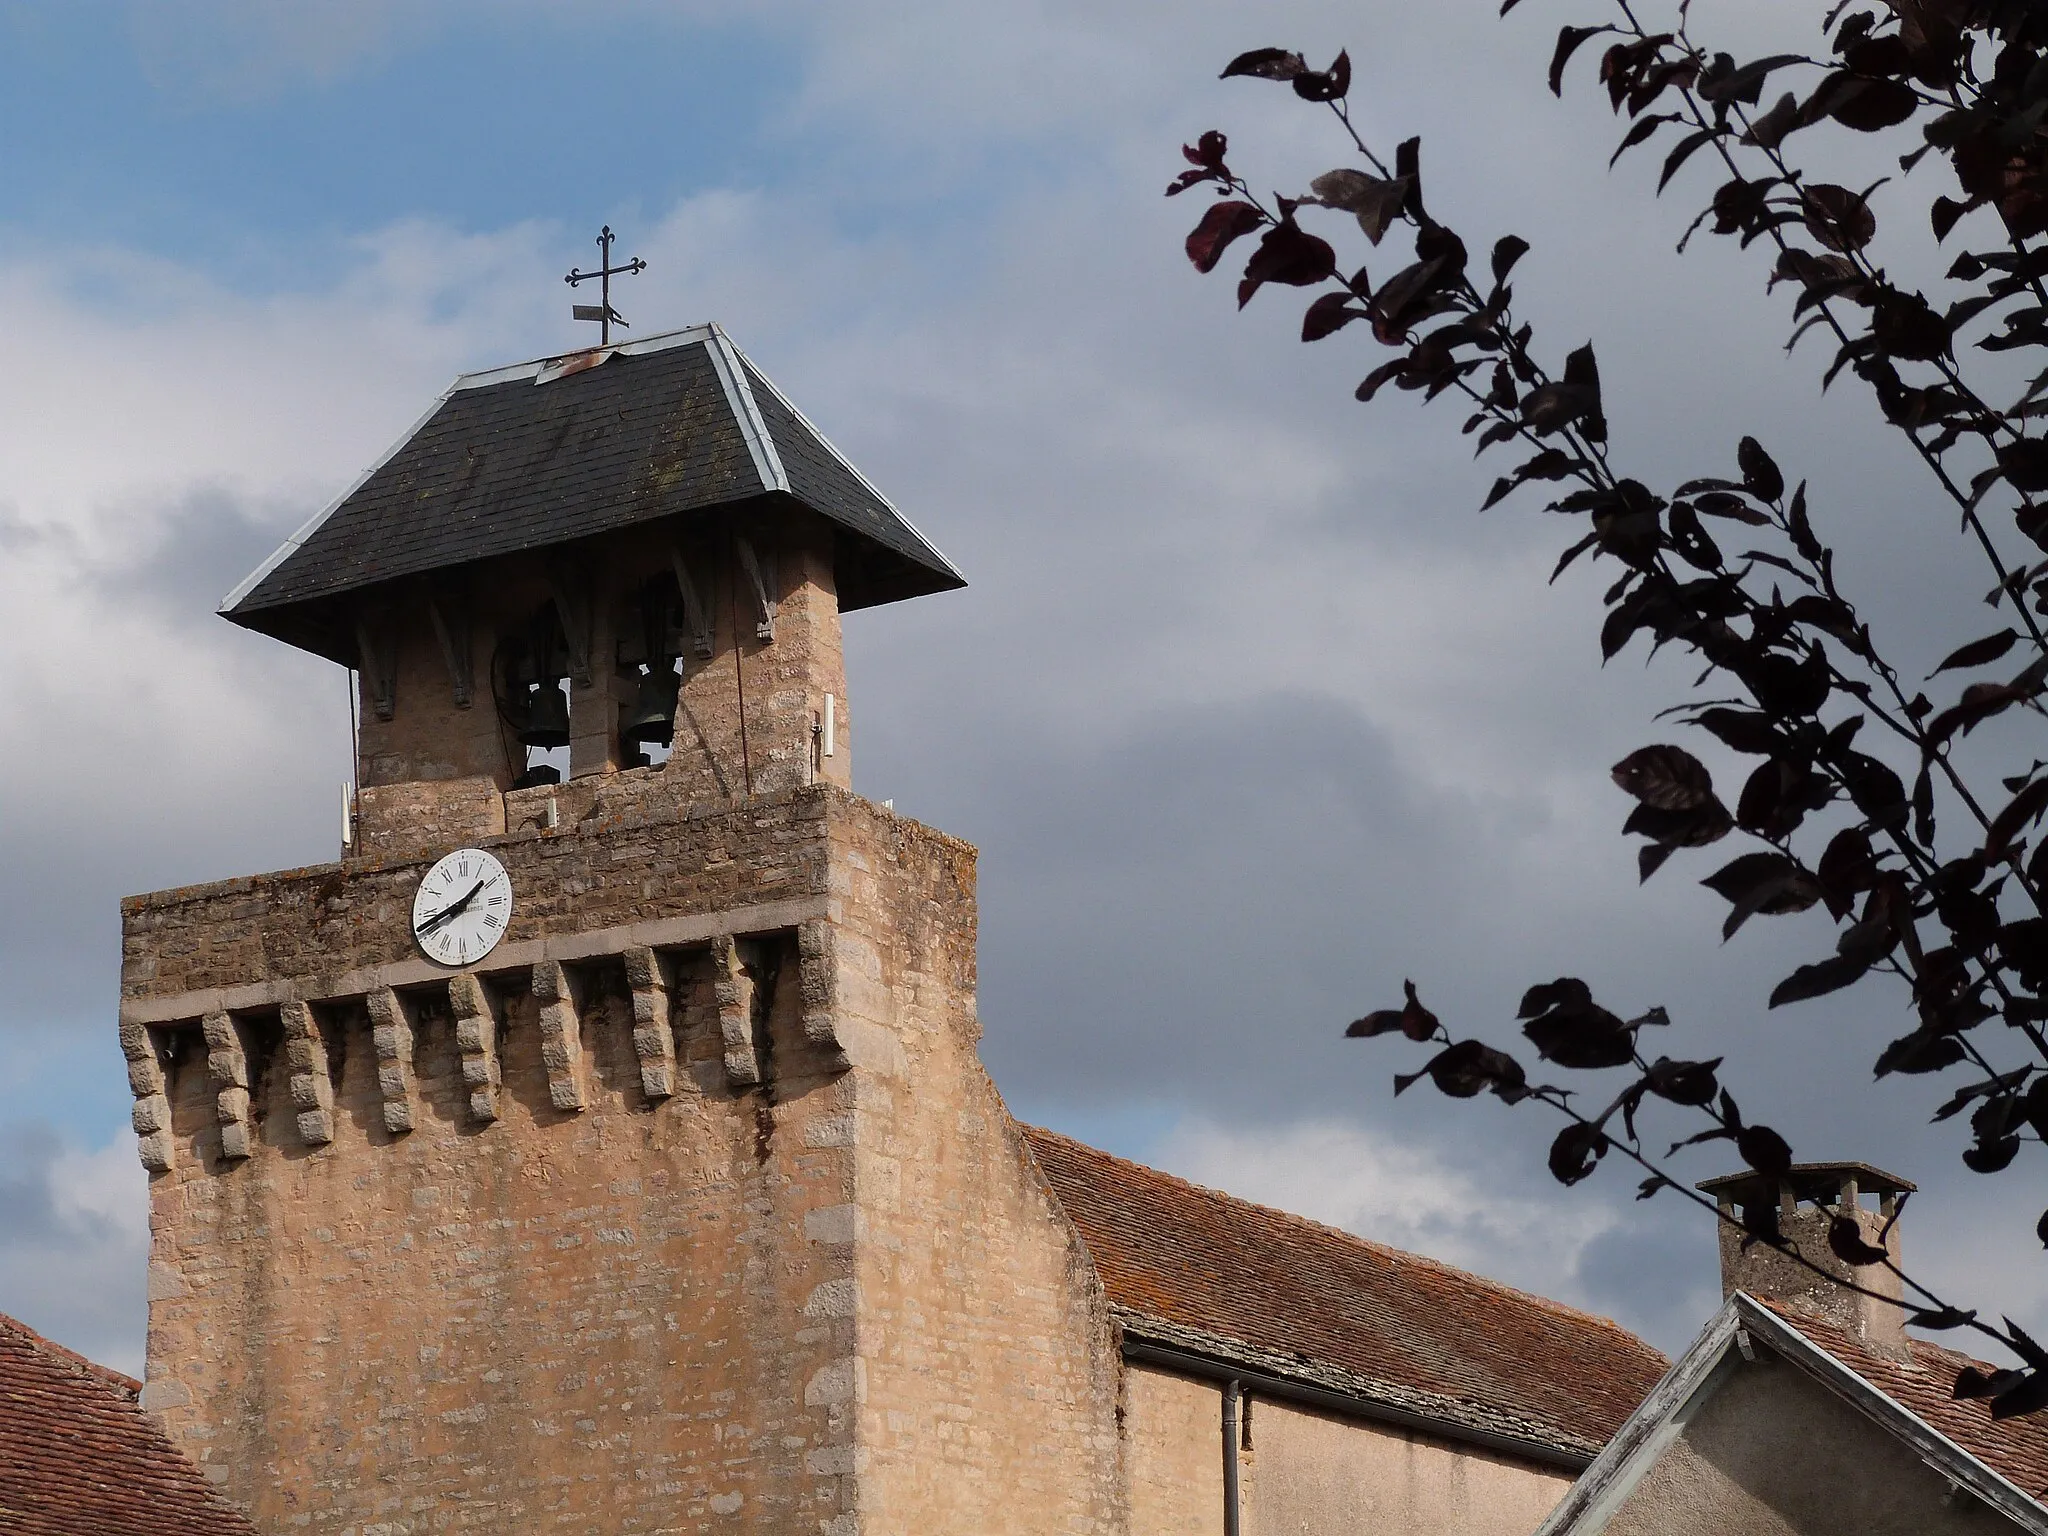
<point>543,370</point>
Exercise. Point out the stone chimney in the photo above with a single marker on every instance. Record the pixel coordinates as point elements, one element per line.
<point>1809,1198</point>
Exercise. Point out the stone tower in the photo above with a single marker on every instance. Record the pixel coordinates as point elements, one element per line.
<point>684,1204</point>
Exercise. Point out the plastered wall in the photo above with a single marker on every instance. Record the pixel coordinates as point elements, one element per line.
<point>1307,1473</point>
<point>1773,1453</point>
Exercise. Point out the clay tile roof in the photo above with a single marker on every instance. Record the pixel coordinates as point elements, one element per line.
<point>1283,1293</point>
<point>79,1458</point>
<point>2016,1449</point>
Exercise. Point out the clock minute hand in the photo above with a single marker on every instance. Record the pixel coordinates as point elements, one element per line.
<point>451,911</point>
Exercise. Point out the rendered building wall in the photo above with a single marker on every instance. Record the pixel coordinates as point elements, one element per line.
<point>1307,1473</point>
<point>1773,1453</point>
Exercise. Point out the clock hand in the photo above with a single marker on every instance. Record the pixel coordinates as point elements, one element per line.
<point>448,912</point>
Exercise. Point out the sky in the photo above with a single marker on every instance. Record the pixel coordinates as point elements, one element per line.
<point>1250,712</point>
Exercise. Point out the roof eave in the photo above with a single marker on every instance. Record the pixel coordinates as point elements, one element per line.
<point>1154,1341</point>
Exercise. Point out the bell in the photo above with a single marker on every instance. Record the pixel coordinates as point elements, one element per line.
<point>652,717</point>
<point>547,717</point>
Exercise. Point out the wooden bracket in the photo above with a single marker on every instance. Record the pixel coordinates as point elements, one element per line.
<point>377,648</point>
<point>572,601</point>
<point>753,566</point>
<point>695,615</point>
<point>450,613</point>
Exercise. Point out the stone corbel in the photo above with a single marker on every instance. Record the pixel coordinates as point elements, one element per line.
<point>817,976</point>
<point>734,989</point>
<point>763,585</point>
<point>227,1069</point>
<point>450,613</point>
<point>654,1039</point>
<point>476,1036</point>
<point>377,657</point>
<point>152,1113</point>
<point>306,1054</point>
<point>561,1047</point>
<point>696,616</point>
<point>391,1039</point>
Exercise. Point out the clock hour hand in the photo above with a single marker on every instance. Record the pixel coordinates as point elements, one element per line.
<point>448,912</point>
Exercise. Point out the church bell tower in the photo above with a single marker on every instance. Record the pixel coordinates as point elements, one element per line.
<point>600,1143</point>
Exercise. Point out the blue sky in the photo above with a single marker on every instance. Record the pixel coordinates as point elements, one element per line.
<point>1248,714</point>
<point>251,146</point>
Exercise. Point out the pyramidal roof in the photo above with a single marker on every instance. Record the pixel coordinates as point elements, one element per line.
<point>558,449</point>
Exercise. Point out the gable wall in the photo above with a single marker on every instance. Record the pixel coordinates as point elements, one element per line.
<point>1773,1453</point>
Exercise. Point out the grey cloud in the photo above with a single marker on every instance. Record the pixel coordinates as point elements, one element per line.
<point>75,1244</point>
<point>1213,828</point>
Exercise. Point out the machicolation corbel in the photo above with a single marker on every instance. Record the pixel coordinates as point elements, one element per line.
<point>817,975</point>
<point>654,1039</point>
<point>734,990</point>
<point>476,1036</point>
<point>561,1048</point>
<point>227,1069</point>
<point>152,1113</point>
<point>306,1054</point>
<point>391,1039</point>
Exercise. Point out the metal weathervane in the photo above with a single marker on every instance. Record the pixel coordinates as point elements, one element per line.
<point>602,312</point>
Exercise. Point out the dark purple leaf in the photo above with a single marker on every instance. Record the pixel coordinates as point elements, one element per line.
<point>1223,223</point>
<point>1266,64</point>
<point>1818,979</point>
<point>1764,1150</point>
<point>1568,43</point>
<point>1979,652</point>
<point>1683,1082</point>
<point>1332,84</point>
<point>1288,254</point>
<point>1330,313</point>
<point>1760,474</point>
<point>1666,777</point>
<point>1847,1243</point>
<point>1577,1152</point>
<point>1838,218</point>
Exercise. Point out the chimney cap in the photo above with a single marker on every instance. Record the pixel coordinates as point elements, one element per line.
<point>1809,1181</point>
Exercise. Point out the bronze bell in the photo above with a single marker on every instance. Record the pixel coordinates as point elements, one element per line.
<point>547,717</point>
<point>652,717</point>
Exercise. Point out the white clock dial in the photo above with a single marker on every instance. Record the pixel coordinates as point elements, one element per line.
<point>462,907</point>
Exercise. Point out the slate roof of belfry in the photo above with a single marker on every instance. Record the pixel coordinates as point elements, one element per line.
<point>1277,1292</point>
<point>537,455</point>
<point>1924,1385</point>
<point>79,1458</point>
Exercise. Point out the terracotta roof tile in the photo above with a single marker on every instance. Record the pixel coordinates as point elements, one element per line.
<point>2016,1449</point>
<point>1415,1332</point>
<point>79,1458</point>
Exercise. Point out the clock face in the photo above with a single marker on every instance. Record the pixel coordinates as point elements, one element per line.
<point>462,907</point>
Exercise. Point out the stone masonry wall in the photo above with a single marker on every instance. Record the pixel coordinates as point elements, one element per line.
<point>691,1210</point>
<point>989,1390</point>
<point>750,708</point>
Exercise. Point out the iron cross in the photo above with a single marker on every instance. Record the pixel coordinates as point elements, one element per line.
<point>603,313</point>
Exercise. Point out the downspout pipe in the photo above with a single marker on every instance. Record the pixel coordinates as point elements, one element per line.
<point>1232,1394</point>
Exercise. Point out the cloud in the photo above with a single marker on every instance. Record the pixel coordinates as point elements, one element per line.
<point>243,51</point>
<point>1251,715</point>
<point>76,1244</point>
